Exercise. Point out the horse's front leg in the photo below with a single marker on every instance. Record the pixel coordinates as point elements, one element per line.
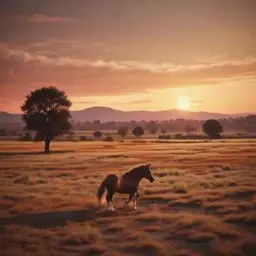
<point>131,195</point>
<point>135,198</point>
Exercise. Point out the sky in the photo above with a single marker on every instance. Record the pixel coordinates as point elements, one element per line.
<point>130,55</point>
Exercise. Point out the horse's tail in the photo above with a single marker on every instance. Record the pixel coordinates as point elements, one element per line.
<point>101,190</point>
<point>109,182</point>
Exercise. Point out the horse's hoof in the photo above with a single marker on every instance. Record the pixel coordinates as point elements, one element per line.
<point>111,209</point>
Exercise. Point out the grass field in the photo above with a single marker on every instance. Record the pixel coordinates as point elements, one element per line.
<point>203,201</point>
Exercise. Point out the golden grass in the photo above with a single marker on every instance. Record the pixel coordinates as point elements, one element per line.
<point>145,247</point>
<point>202,203</point>
<point>180,187</point>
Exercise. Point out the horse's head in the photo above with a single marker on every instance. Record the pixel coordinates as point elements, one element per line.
<point>147,173</point>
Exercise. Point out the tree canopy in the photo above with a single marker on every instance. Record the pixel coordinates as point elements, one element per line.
<point>138,131</point>
<point>152,127</point>
<point>122,131</point>
<point>46,111</point>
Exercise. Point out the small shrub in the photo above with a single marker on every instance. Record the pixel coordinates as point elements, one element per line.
<point>85,138</point>
<point>146,246</point>
<point>85,234</point>
<point>95,250</point>
<point>97,134</point>
<point>179,136</point>
<point>109,138</point>
<point>226,168</point>
<point>164,137</point>
<point>23,180</point>
<point>180,187</point>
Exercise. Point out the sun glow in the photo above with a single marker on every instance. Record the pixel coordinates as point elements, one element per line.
<point>183,103</point>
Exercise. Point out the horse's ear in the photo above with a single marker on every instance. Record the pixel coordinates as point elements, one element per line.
<point>148,165</point>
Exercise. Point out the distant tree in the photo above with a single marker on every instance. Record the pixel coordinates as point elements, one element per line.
<point>46,111</point>
<point>152,127</point>
<point>97,134</point>
<point>3,132</point>
<point>122,131</point>
<point>212,128</point>
<point>251,123</point>
<point>85,138</point>
<point>26,137</point>
<point>109,137</point>
<point>97,122</point>
<point>189,129</point>
<point>138,131</point>
<point>163,130</point>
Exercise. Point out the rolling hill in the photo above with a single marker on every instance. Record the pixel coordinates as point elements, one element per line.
<point>109,114</point>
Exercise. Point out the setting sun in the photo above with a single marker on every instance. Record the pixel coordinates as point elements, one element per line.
<point>183,103</point>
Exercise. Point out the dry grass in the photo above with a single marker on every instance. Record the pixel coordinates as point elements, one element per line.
<point>180,187</point>
<point>203,201</point>
<point>145,247</point>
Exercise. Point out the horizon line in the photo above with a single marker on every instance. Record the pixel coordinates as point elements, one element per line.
<point>143,110</point>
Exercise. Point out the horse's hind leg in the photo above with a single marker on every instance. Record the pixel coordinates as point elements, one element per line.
<point>109,200</point>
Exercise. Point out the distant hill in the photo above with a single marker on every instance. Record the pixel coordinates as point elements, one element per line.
<point>6,117</point>
<point>109,114</point>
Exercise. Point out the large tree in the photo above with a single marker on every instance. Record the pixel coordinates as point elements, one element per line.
<point>46,111</point>
<point>212,128</point>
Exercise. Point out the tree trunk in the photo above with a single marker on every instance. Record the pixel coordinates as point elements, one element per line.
<point>47,146</point>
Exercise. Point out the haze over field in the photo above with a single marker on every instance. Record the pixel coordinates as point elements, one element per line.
<point>105,114</point>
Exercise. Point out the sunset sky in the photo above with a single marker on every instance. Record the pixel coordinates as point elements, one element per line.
<point>131,55</point>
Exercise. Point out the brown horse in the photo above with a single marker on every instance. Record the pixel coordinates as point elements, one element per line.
<point>126,184</point>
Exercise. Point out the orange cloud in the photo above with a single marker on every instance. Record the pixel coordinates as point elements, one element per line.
<point>151,67</point>
<point>136,102</point>
<point>23,71</point>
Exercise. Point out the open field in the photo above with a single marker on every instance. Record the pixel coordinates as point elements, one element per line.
<point>203,201</point>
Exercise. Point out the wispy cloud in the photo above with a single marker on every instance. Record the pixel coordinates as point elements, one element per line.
<point>152,67</point>
<point>197,101</point>
<point>45,18</point>
<point>193,101</point>
<point>111,77</point>
<point>84,102</point>
<point>137,102</point>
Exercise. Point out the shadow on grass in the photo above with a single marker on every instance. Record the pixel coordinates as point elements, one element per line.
<point>58,218</point>
<point>31,153</point>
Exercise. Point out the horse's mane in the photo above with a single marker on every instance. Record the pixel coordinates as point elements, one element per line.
<point>134,169</point>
